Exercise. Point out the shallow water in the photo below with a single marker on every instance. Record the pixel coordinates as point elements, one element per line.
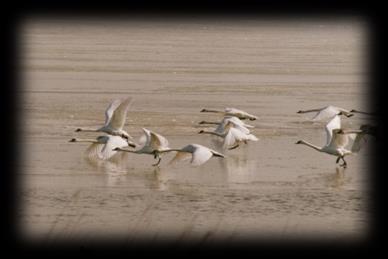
<point>270,188</point>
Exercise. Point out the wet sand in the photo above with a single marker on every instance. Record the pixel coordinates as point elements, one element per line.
<point>268,189</point>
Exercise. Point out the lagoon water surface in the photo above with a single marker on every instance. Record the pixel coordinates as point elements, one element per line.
<point>172,69</point>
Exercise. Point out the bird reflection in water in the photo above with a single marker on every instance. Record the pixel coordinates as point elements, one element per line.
<point>338,179</point>
<point>115,168</point>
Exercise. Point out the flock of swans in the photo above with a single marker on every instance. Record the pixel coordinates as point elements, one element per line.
<point>231,129</point>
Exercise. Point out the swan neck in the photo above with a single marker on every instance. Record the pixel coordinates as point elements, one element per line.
<point>207,110</point>
<point>209,122</point>
<point>87,129</point>
<point>311,145</point>
<point>213,133</point>
<point>312,110</point>
<point>86,140</point>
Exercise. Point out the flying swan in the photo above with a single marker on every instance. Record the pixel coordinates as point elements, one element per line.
<point>115,116</point>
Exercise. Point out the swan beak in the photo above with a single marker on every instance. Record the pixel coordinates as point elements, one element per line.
<point>203,110</point>
<point>299,112</point>
<point>78,130</point>
<point>72,140</point>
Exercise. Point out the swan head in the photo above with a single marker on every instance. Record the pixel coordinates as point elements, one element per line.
<point>73,140</point>
<point>252,119</point>
<point>345,114</point>
<point>201,122</point>
<point>299,111</point>
<point>78,130</point>
<point>203,110</point>
<point>201,131</point>
<point>299,142</point>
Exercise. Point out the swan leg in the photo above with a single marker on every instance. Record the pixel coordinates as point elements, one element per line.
<point>245,142</point>
<point>156,155</point>
<point>157,162</point>
<point>338,159</point>
<point>344,163</point>
<point>236,146</point>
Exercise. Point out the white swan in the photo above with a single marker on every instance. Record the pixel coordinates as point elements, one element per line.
<point>233,112</point>
<point>102,147</point>
<point>236,121</point>
<point>115,116</point>
<point>150,143</point>
<point>199,154</point>
<point>327,112</point>
<point>335,143</point>
<point>232,136</point>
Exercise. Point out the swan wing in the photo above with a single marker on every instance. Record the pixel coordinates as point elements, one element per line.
<point>359,140</point>
<point>145,139</point>
<point>119,115</point>
<point>240,127</point>
<point>158,142</point>
<point>112,143</point>
<point>109,111</point>
<point>326,113</point>
<point>221,127</point>
<point>94,150</point>
<point>229,139</point>
<point>234,135</point>
<point>355,141</point>
<point>252,137</point>
<point>200,155</point>
<point>180,156</point>
<point>339,140</point>
<point>334,123</point>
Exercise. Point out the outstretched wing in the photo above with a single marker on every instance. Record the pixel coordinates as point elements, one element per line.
<point>112,143</point>
<point>200,155</point>
<point>334,123</point>
<point>94,150</point>
<point>326,113</point>
<point>180,156</point>
<point>233,136</point>
<point>355,140</point>
<point>157,141</point>
<point>109,111</point>
<point>119,115</point>
<point>339,140</point>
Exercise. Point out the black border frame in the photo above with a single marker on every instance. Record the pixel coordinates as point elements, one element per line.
<point>11,18</point>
